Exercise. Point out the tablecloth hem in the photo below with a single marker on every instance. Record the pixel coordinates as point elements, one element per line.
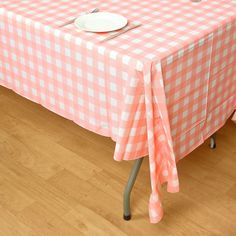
<point>156,220</point>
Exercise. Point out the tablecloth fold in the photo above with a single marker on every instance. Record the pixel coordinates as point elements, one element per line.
<point>161,154</point>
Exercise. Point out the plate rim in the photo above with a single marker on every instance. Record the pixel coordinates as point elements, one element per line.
<point>99,31</point>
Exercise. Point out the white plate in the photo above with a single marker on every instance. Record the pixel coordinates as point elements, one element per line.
<point>101,22</point>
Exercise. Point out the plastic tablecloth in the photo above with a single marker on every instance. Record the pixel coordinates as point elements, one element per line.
<point>160,89</point>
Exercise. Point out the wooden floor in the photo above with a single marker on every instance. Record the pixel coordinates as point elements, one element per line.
<point>59,179</point>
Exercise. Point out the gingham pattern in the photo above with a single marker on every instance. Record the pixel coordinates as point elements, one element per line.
<point>160,89</point>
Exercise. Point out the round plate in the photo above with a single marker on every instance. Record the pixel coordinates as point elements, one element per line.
<point>101,22</point>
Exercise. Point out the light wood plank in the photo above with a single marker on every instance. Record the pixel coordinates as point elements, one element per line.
<point>11,226</point>
<point>56,178</point>
<point>45,223</point>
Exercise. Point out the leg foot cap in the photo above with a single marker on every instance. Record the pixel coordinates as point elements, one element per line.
<point>127,217</point>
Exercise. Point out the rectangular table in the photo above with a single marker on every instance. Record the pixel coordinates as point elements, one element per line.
<point>159,90</point>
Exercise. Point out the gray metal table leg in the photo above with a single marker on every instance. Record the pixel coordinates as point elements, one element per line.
<point>213,141</point>
<point>129,186</point>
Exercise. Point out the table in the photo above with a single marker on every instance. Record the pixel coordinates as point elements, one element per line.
<point>161,89</point>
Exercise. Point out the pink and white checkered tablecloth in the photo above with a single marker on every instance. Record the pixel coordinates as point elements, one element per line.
<point>160,89</point>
